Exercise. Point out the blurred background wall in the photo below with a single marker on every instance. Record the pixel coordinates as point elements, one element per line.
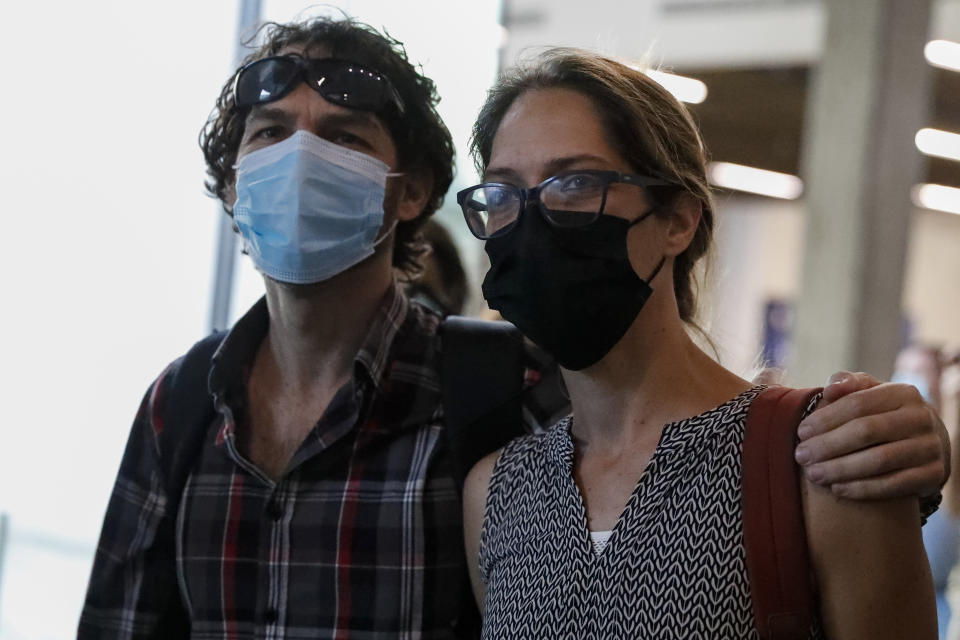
<point>110,246</point>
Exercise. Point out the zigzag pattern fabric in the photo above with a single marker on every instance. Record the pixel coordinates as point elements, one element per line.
<point>674,566</point>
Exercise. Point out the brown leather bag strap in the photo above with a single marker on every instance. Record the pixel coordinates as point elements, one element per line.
<point>774,536</point>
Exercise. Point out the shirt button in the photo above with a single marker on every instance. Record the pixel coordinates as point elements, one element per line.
<point>270,616</point>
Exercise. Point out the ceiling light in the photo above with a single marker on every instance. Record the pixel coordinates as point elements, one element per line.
<point>753,180</point>
<point>942,144</point>
<point>683,88</point>
<point>943,53</point>
<point>937,197</point>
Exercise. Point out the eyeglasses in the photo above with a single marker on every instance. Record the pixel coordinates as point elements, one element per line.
<point>570,199</point>
<point>341,82</point>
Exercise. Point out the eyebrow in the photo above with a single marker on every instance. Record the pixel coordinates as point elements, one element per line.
<point>270,114</point>
<point>503,174</point>
<point>553,167</point>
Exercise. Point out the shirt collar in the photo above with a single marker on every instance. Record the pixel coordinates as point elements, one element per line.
<point>374,354</point>
<point>233,359</point>
<point>235,356</point>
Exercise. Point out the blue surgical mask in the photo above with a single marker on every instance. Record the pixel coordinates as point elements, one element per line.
<point>309,209</point>
<point>917,380</point>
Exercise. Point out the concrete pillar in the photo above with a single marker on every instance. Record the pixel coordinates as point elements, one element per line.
<point>227,251</point>
<point>869,97</point>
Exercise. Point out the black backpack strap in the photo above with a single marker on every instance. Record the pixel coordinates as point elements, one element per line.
<point>187,412</point>
<point>481,380</point>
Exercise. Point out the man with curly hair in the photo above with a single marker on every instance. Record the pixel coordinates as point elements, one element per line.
<point>290,525</point>
<point>320,500</point>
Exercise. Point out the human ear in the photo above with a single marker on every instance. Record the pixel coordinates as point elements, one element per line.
<point>415,189</point>
<point>682,225</point>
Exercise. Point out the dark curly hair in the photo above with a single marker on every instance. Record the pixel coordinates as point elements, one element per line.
<point>647,125</point>
<point>423,142</point>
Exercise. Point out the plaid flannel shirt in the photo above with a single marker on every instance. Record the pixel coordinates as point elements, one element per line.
<point>360,538</point>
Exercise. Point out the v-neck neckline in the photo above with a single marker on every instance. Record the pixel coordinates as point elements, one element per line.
<point>563,450</point>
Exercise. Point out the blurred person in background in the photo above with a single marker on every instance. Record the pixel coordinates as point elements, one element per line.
<point>442,286</point>
<point>950,408</point>
<point>624,520</point>
<point>922,367</point>
<point>320,500</point>
<point>949,524</point>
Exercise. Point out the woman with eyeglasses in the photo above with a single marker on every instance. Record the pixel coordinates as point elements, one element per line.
<point>624,520</point>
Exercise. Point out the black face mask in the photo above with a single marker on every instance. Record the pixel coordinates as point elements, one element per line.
<point>571,291</point>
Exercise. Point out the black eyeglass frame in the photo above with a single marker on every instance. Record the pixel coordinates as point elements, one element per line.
<point>528,196</point>
<point>310,71</point>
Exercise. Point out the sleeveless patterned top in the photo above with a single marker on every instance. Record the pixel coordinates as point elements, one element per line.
<point>674,566</point>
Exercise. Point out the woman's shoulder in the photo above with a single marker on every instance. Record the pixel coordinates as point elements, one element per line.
<point>532,450</point>
<point>523,451</point>
<point>520,462</point>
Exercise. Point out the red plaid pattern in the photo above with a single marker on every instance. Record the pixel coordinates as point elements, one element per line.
<point>361,538</point>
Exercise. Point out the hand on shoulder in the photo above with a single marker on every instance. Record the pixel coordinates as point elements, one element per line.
<point>869,440</point>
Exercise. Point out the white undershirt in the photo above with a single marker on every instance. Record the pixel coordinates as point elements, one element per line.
<point>599,540</point>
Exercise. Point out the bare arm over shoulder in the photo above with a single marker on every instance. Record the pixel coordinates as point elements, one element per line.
<point>474,506</point>
<point>869,440</point>
<point>871,569</point>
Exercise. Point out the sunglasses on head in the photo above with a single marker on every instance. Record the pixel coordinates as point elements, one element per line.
<point>341,82</point>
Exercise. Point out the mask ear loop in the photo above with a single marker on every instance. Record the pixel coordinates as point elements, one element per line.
<point>659,266</point>
<point>641,218</point>
<point>376,243</point>
<point>656,270</point>
<point>389,233</point>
